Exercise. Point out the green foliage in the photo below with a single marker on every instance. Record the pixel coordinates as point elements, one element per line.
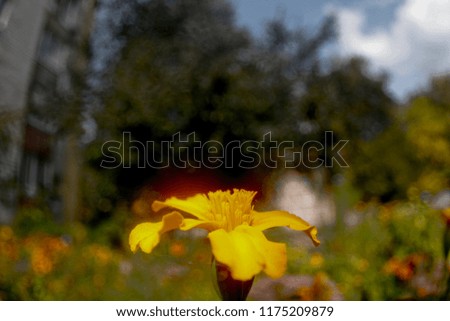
<point>409,156</point>
<point>393,252</point>
<point>81,263</point>
<point>427,120</point>
<point>386,252</point>
<point>32,218</point>
<point>381,171</point>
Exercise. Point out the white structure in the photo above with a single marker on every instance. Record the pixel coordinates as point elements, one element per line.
<point>40,53</point>
<point>304,196</point>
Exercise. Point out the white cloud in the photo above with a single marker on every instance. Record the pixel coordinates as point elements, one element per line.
<point>413,47</point>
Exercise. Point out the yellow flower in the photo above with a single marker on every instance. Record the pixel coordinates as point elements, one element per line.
<point>235,230</point>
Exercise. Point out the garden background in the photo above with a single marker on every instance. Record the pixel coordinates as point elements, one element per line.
<point>163,67</point>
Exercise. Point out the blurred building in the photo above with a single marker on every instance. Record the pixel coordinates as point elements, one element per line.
<point>42,59</point>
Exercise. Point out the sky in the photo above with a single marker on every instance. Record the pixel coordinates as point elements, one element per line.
<point>409,39</point>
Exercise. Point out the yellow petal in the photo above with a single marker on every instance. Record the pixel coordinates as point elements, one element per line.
<point>190,223</point>
<point>265,220</point>
<point>246,251</point>
<point>147,235</point>
<point>197,205</point>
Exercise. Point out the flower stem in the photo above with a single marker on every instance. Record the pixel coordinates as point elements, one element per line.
<point>230,289</point>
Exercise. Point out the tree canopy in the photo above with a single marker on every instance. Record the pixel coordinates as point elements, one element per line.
<point>186,67</point>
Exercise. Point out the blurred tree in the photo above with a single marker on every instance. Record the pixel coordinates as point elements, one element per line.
<point>411,155</point>
<point>349,100</point>
<point>354,105</point>
<point>185,66</point>
<point>427,121</point>
<point>386,166</point>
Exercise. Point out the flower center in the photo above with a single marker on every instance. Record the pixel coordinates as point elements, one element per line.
<point>231,209</point>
